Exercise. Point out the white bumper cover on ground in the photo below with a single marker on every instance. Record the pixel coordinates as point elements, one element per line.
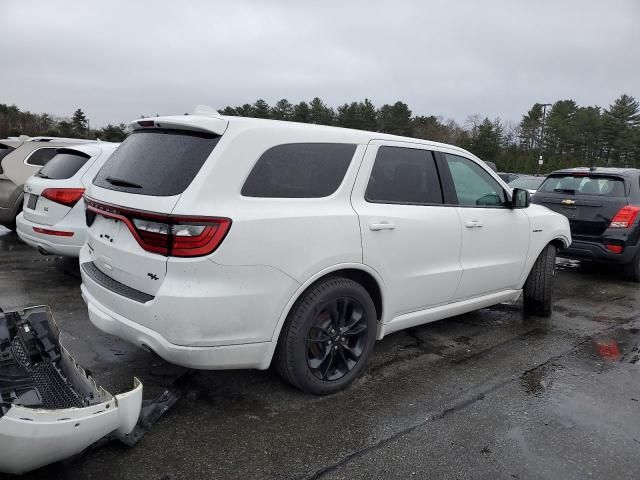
<point>34,437</point>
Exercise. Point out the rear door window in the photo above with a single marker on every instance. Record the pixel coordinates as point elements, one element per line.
<point>41,156</point>
<point>584,185</point>
<point>299,170</point>
<point>64,165</point>
<point>158,162</point>
<point>404,175</point>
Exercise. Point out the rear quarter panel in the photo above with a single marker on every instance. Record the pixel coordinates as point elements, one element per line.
<point>299,236</point>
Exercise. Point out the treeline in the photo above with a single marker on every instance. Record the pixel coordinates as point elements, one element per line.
<point>572,136</point>
<point>565,134</point>
<point>15,122</point>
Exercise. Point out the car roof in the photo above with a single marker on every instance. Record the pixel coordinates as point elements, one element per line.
<point>599,170</point>
<point>92,148</point>
<point>207,119</point>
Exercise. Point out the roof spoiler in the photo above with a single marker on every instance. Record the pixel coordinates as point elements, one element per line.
<point>202,119</point>
<point>206,110</point>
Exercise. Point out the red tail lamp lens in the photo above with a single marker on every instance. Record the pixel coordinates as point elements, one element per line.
<point>64,196</point>
<point>625,216</point>
<point>169,235</point>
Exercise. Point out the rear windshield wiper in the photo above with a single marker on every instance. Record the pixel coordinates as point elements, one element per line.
<point>42,175</point>
<point>118,182</point>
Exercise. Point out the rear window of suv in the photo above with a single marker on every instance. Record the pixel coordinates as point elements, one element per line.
<point>41,156</point>
<point>64,165</point>
<point>299,170</point>
<point>584,185</point>
<point>158,162</point>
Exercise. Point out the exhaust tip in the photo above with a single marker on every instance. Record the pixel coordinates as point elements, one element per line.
<point>43,251</point>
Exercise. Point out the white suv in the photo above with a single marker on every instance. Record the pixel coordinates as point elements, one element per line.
<point>226,242</point>
<point>53,216</point>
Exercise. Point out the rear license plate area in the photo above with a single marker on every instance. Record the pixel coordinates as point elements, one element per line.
<point>106,229</point>
<point>33,200</point>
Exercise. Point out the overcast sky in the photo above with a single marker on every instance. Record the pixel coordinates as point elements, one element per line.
<point>119,59</point>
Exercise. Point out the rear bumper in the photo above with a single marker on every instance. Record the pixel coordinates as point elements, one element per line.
<point>68,246</point>
<point>250,355</point>
<point>597,252</point>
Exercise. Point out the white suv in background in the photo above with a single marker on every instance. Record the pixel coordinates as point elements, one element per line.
<point>53,214</point>
<point>226,242</point>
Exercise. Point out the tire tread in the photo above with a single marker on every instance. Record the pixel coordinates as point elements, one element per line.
<point>538,289</point>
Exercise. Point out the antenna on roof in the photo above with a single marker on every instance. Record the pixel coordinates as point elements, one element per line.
<point>206,110</point>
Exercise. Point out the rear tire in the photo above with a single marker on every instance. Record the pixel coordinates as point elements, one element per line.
<point>632,269</point>
<point>11,225</point>
<point>328,337</point>
<point>538,289</point>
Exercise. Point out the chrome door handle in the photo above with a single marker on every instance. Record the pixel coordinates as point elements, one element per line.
<point>473,224</point>
<point>375,227</point>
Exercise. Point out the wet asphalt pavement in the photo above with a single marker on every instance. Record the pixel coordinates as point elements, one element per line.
<point>491,394</point>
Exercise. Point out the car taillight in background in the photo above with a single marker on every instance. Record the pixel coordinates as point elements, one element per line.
<point>64,196</point>
<point>625,217</point>
<point>169,235</point>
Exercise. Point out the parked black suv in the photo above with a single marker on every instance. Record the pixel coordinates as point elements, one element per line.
<point>602,205</point>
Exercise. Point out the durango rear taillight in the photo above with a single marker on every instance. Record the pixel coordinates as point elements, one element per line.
<point>64,196</point>
<point>625,217</point>
<point>169,235</point>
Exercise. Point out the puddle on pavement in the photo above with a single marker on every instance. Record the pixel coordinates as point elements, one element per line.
<point>623,345</point>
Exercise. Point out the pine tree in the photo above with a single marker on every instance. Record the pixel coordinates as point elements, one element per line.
<point>530,127</point>
<point>319,113</point>
<point>283,110</point>
<point>261,109</point>
<point>229,111</point>
<point>395,119</point>
<point>79,123</point>
<point>301,112</point>
<point>620,123</point>
<point>368,116</point>
<point>245,110</point>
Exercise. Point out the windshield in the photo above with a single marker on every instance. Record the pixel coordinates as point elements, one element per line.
<point>578,184</point>
<point>528,183</point>
<point>157,162</point>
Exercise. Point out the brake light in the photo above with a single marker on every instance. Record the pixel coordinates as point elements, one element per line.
<point>625,217</point>
<point>64,196</point>
<point>169,235</point>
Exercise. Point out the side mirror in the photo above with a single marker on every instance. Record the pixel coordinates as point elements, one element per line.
<point>520,198</point>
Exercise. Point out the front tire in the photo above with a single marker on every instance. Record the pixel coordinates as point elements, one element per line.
<point>328,337</point>
<point>538,289</point>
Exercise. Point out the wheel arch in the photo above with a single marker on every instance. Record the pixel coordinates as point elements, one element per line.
<point>358,272</point>
<point>558,242</point>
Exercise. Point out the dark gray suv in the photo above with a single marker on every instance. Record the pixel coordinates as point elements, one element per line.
<point>602,205</point>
